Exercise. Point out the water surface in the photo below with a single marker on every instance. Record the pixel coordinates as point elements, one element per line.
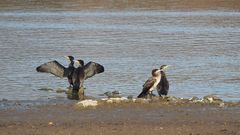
<point>201,46</point>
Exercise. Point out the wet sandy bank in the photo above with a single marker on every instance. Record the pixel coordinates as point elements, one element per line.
<point>155,117</point>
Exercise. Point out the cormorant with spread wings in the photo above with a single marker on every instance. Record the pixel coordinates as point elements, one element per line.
<point>77,75</point>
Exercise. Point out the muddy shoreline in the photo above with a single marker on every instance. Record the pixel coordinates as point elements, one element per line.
<point>155,117</point>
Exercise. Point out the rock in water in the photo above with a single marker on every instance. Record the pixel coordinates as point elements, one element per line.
<point>108,94</point>
<point>113,94</point>
<point>88,103</point>
<point>212,99</point>
<point>116,100</point>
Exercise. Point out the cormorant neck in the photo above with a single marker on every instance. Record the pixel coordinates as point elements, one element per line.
<point>163,73</point>
<point>156,75</point>
<point>71,64</point>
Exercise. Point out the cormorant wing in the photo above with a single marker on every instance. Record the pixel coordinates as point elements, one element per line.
<point>92,68</point>
<point>149,83</point>
<point>54,68</point>
<point>163,85</point>
<point>146,86</point>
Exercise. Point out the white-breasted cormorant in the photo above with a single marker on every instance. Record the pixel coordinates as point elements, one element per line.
<point>163,85</point>
<point>151,83</point>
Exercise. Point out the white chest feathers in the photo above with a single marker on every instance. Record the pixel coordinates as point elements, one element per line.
<point>157,78</point>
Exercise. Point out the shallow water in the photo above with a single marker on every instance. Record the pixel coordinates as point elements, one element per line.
<point>202,47</point>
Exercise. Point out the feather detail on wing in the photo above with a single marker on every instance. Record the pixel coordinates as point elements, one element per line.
<point>54,68</point>
<point>146,87</point>
<point>92,68</point>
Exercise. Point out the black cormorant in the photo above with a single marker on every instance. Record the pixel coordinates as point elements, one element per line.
<point>163,85</point>
<point>71,69</point>
<point>82,73</point>
<point>77,75</point>
<point>151,83</point>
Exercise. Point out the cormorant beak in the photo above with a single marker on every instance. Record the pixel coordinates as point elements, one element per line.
<point>165,68</point>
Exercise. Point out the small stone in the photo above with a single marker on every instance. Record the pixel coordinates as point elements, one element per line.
<point>221,104</point>
<point>50,123</point>
<point>170,98</point>
<point>130,97</point>
<point>210,99</point>
<point>60,91</point>
<point>134,100</point>
<point>104,99</point>
<point>142,100</point>
<point>214,97</point>
<point>109,101</point>
<point>118,99</point>
<point>4,99</point>
<point>116,92</point>
<point>224,130</point>
<point>87,103</point>
<point>194,98</point>
<point>113,94</point>
<point>108,94</point>
<point>124,98</point>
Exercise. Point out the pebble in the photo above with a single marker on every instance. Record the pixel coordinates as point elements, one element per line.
<point>50,123</point>
<point>87,103</point>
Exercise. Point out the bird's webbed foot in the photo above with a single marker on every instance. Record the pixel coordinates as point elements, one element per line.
<point>73,95</point>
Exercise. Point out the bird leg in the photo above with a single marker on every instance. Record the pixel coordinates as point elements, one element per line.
<point>74,94</point>
<point>151,94</point>
<point>70,86</point>
<point>81,93</point>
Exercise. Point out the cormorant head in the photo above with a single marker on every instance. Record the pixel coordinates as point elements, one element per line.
<point>70,58</point>
<point>156,72</point>
<point>80,62</point>
<point>164,67</point>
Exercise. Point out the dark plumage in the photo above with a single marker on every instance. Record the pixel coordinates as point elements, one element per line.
<point>55,68</point>
<point>71,69</point>
<point>84,72</point>
<point>163,85</point>
<point>151,83</point>
<point>76,76</point>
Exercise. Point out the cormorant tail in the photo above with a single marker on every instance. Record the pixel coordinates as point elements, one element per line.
<point>142,94</point>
